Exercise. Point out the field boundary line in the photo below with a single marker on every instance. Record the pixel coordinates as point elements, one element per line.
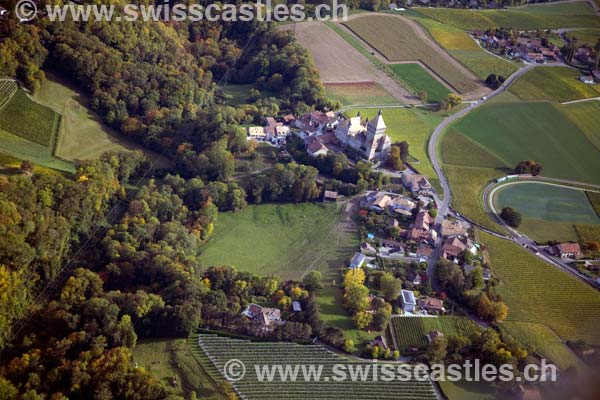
<point>580,100</point>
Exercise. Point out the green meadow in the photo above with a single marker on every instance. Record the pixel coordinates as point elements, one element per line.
<point>282,239</point>
<point>419,80</point>
<point>558,84</point>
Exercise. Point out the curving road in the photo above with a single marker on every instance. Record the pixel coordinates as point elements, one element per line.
<point>444,203</point>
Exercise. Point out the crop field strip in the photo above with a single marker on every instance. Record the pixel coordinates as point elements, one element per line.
<point>24,117</point>
<point>517,18</point>
<point>419,80</point>
<point>220,350</point>
<point>463,48</point>
<point>397,41</point>
<point>7,90</point>
<point>412,331</point>
<point>558,84</point>
<point>537,292</point>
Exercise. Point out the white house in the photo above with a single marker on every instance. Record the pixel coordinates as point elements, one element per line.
<point>408,301</point>
<point>357,261</point>
<point>257,133</point>
<point>589,80</point>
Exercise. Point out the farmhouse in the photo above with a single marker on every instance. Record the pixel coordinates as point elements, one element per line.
<point>408,301</point>
<point>371,141</point>
<point>264,317</point>
<point>416,183</point>
<point>357,261</point>
<point>567,250</point>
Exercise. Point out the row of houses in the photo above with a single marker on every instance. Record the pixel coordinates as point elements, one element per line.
<point>273,131</point>
<point>529,49</point>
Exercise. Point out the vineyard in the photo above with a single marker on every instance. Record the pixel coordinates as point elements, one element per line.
<point>412,331</point>
<point>220,350</point>
<point>7,90</point>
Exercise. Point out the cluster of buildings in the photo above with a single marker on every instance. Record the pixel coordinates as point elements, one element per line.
<point>326,132</point>
<point>274,131</point>
<point>426,305</point>
<point>266,319</point>
<point>528,49</point>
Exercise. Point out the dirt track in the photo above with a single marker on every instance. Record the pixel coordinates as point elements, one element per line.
<point>338,62</point>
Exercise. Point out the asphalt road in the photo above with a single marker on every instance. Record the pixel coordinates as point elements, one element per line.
<point>444,203</point>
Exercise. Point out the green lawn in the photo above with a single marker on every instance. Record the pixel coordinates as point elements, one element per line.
<point>397,41</point>
<point>413,125</point>
<point>360,93</point>
<point>462,47</point>
<point>549,212</point>
<point>586,115</point>
<point>522,19</point>
<point>332,312</point>
<point>543,341</point>
<point>283,239</point>
<point>572,8</point>
<point>82,135</point>
<point>25,118</point>
<point>419,80</point>
<point>458,149</point>
<point>468,391</point>
<point>554,84</point>
<point>168,358</point>
<point>467,184</point>
<point>412,331</point>
<point>585,36</point>
<point>594,199</point>
<point>537,292</point>
<point>513,132</point>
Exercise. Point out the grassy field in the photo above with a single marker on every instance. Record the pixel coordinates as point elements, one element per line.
<point>521,19</point>
<point>586,116</point>
<point>549,212</point>
<point>467,184</point>
<point>360,93</point>
<point>543,341</point>
<point>588,233</point>
<point>419,80</point>
<point>594,199</point>
<point>573,8</point>
<point>23,149</point>
<point>397,41</point>
<point>173,358</point>
<point>412,125</point>
<point>458,149</point>
<point>537,292</point>
<point>461,46</point>
<point>554,84</point>
<point>25,118</point>
<point>412,331</point>
<point>253,354</point>
<point>330,300</point>
<point>82,136</point>
<point>7,91</point>
<point>585,36</point>
<point>468,391</point>
<point>283,239</point>
<point>539,131</point>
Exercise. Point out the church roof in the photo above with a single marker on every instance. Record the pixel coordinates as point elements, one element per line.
<point>378,122</point>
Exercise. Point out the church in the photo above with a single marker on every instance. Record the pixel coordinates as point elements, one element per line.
<point>370,140</point>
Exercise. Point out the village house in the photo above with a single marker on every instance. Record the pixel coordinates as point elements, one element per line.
<point>587,79</point>
<point>315,122</point>
<point>567,250</point>
<point>434,334</point>
<point>256,133</point>
<point>276,130</point>
<point>432,305</point>
<point>414,278</point>
<point>423,220</point>
<point>330,195</point>
<point>367,248</point>
<point>391,249</point>
<point>380,342</point>
<point>408,301</point>
<point>453,228</point>
<point>402,205</point>
<point>379,203</point>
<point>424,251</point>
<point>265,318</point>
<point>370,140</point>
<point>416,183</point>
<point>315,147</point>
<point>357,261</point>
